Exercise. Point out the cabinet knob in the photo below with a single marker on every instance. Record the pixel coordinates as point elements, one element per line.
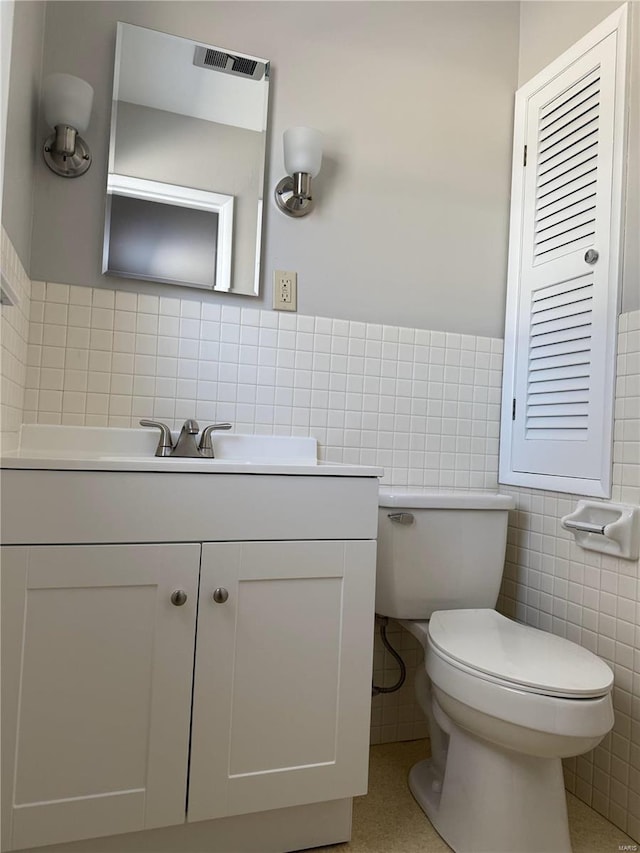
<point>178,597</point>
<point>220,595</point>
<point>591,256</point>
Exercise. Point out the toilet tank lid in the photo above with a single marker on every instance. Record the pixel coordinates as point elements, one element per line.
<point>416,498</point>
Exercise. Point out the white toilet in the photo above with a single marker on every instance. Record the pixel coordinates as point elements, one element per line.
<point>505,702</point>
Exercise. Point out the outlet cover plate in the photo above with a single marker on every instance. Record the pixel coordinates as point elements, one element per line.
<point>285,290</point>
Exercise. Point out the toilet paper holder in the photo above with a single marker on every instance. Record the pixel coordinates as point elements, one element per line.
<point>610,528</point>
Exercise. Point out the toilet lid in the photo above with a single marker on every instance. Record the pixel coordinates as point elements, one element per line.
<point>524,657</point>
<point>431,498</point>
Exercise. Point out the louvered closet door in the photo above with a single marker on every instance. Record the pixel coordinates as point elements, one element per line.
<point>565,305</point>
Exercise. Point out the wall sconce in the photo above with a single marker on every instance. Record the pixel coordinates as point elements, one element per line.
<point>302,160</point>
<point>67,104</point>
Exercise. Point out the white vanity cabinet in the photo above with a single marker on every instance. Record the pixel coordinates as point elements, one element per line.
<point>127,709</point>
<point>282,678</point>
<point>97,670</point>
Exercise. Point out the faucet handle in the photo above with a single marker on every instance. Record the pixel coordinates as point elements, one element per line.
<point>205,447</point>
<point>165,444</point>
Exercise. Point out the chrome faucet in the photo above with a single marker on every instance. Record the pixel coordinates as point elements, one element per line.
<point>186,445</point>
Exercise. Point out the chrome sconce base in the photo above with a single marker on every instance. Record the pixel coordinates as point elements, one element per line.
<point>298,189</point>
<point>66,153</point>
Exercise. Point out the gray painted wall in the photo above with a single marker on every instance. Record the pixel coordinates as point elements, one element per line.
<point>415,101</point>
<point>22,141</point>
<point>546,30</point>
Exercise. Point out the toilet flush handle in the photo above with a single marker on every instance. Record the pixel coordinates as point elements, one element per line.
<point>401,517</point>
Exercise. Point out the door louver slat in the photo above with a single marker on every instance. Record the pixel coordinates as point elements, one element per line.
<point>565,347</point>
<point>569,100</point>
<point>560,324</point>
<point>556,312</point>
<point>561,214</point>
<point>575,371</point>
<point>559,386</point>
<point>563,290</point>
<point>572,360</point>
<point>567,165</point>
<point>542,434</point>
<point>577,219</point>
<point>565,193</point>
<point>551,410</point>
<point>585,129</point>
<point>563,305</point>
<point>571,121</point>
<point>573,159</point>
<point>572,334</point>
<point>577,151</point>
<point>583,173</point>
<point>574,241</point>
<point>560,397</point>
<point>565,176</point>
<point>571,422</point>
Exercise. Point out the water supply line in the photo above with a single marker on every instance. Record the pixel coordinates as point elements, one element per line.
<point>383,621</point>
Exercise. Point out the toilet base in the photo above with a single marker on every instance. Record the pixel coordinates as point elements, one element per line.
<point>493,800</point>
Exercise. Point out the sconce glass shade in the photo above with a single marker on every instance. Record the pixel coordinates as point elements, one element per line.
<point>67,100</point>
<point>302,150</point>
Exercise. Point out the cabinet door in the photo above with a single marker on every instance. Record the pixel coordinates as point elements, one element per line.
<point>97,676</point>
<point>282,687</point>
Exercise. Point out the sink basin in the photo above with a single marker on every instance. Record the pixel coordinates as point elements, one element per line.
<point>44,447</point>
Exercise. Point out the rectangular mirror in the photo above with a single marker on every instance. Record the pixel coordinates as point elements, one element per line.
<point>186,163</point>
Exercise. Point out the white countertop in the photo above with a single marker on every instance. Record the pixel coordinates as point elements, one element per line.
<point>70,448</point>
<point>77,462</point>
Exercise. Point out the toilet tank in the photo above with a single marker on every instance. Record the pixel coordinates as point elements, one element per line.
<point>439,551</point>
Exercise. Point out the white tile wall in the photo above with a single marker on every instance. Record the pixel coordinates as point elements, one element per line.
<point>424,405</point>
<point>396,716</point>
<point>590,598</point>
<point>626,446</point>
<point>14,332</point>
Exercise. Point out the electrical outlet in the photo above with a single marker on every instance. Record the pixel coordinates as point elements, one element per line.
<point>285,290</point>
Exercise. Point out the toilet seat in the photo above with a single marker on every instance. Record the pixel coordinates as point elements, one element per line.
<point>488,646</point>
<point>554,715</point>
<point>568,716</point>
